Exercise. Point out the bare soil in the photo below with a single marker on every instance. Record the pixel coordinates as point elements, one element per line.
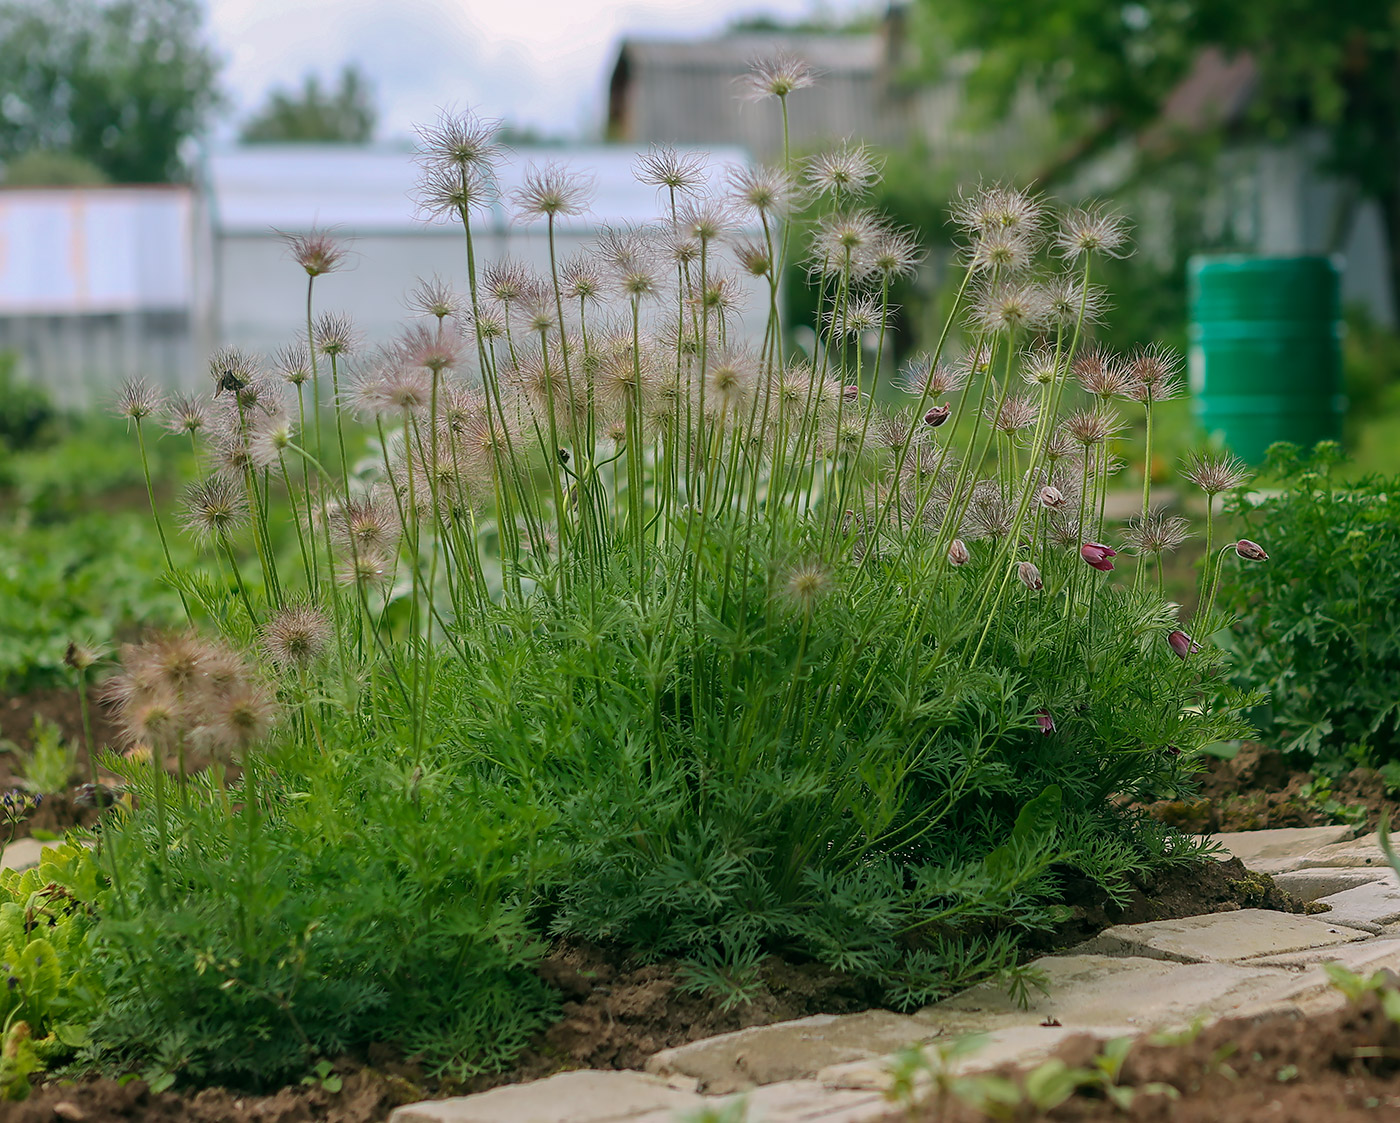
<point>59,810</point>
<point>1259,789</point>
<point>1341,1067</point>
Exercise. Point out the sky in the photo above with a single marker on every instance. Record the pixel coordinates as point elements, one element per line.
<point>540,64</point>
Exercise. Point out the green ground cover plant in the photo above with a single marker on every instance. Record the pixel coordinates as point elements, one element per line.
<point>1326,647</point>
<point>624,626</point>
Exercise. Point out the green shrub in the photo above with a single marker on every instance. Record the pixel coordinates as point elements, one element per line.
<point>374,900</point>
<point>25,410</point>
<point>632,633</point>
<point>1318,627</point>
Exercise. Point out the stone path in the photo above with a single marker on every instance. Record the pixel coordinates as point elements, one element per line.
<point>1127,980</point>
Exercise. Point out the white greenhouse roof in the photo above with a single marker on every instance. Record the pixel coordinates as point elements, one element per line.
<point>255,189</point>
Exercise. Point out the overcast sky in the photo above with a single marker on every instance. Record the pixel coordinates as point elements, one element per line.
<point>535,63</point>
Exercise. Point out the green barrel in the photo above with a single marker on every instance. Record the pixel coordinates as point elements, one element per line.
<point>1266,358</point>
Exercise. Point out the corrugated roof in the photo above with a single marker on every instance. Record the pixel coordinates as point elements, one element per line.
<point>734,53</point>
<point>255,188</point>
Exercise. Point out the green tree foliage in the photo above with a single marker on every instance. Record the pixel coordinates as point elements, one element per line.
<point>1327,65</point>
<point>121,85</point>
<point>346,114</point>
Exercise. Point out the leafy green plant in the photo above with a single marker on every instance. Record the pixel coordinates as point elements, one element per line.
<point>52,987</point>
<point>623,631</point>
<point>1326,648</point>
<point>49,764</point>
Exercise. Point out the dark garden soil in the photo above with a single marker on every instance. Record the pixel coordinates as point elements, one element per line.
<point>64,809</point>
<point>1333,1068</point>
<point>614,1015</point>
<point>1260,789</point>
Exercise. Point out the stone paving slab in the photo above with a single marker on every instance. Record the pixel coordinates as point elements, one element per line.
<point>1279,849</point>
<point>1220,937</point>
<point>1313,884</point>
<point>810,1101</point>
<point>1361,853</point>
<point>1010,1045</point>
<point>1114,994</point>
<point>586,1096</point>
<point>24,853</point>
<point>1363,957</point>
<point>1368,907</point>
<point>788,1050</point>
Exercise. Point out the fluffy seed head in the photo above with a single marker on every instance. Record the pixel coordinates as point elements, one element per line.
<point>1093,426</point>
<point>846,172</point>
<point>765,190</point>
<point>923,378</point>
<point>215,508</point>
<point>662,166</point>
<point>137,400</point>
<point>1101,375</point>
<point>1092,230</point>
<point>1154,374</point>
<point>459,141</point>
<point>435,298</point>
<point>232,369</point>
<point>296,636</point>
<point>1157,533</point>
<point>999,207</point>
<point>805,584</point>
<point>316,251</point>
<point>334,334</point>
<point>1006,249</point>
<point>292,365</point>
<point>187,414</point>
<point>777,76</point>
<point>551,191</point>
<point>1215,473</point>
<point>1009,306</point>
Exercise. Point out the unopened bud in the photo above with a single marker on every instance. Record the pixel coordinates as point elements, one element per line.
<point>850,393</point>
<point>1181,643</point>
<point>957,552</point>
<point>1045,721</point>
<point>1052,497</point>
<point>1250,551</point>
<point>1030,576</point>
<point>937,415</point>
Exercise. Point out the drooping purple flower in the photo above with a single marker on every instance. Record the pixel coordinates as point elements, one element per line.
<point>1181,643</point>
<point>958,553</point>
<point>851,393</point>
<point>1098,555</point>
<point>1052,497</point>
<point>1030,576</point>
<point>1045,721</point>
<point>1250,551</point>
<point>937,415</point>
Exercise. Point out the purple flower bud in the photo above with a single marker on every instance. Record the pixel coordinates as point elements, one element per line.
<point>937,415</point>
<point>1181,643</point>
<point>1250,551</point>
<point>958,553</point>
<point>1045,721</point>
<point>1052,497</point>
<point>851,393</point>
<point>1097,555</point>
<point>1030,576</point>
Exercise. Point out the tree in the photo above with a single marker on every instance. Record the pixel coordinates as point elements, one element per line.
<point>346,114</point>
<point>1330,66</point>
<point>121,84</point>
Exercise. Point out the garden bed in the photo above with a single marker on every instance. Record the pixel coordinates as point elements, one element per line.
<point>1258,789</point>
<point>1329,1068</point>
<point>616,1013</point>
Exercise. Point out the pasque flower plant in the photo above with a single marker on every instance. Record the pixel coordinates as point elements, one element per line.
<point>739,648</point>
